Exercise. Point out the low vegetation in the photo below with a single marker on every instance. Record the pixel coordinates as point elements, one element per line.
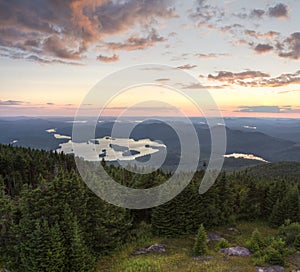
<point>179,255</point>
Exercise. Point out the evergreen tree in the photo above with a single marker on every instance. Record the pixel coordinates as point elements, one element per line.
<point>278,214</point>
<point>291,201</point>
<point>256,243</point>
<point>200,246</point>
<point>57,251</point>
<point>274,257</point>
<point>80,259</point>
<point>6,223</point>
<point>225,199</point>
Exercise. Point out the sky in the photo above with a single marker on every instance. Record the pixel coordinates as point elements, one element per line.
<point>246,54</point>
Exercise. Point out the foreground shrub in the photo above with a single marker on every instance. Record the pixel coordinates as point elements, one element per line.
<point>289,231</point>
<point>297,242</point>
<point>256,243</point>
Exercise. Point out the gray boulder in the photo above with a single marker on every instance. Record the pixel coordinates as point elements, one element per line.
<point>153,248</point>
<point>236,251</point>
<point>213,237</point>
<point>274,268</point>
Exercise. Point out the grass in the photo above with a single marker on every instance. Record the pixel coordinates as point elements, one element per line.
<point>178,256</point>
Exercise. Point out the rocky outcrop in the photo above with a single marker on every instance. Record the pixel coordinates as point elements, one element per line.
<point>213,237</point>
<point>153,248</point>
<point>275,268</point>
<point>236,251</point>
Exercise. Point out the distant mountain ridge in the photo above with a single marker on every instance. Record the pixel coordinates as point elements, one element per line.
<point>278,170</point>
<point>31,132</point>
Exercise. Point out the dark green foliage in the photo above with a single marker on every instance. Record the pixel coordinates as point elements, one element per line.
<point>234,197</point>
<point>200,247</point>
<point>222,244</point>
<point>80,259</point>
<point>297,242</point>
<point>181,215</point>
<point>256,243</point>
<point>276,252</point>
<point>289,232</point>
<point>51,221</point>
<point>276,170</point>
<point>286,206</point>
<point>274,257</point>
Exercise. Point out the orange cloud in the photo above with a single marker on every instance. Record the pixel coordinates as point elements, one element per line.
<point>113,58</point>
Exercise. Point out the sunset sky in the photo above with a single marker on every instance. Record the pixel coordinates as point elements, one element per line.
<point>245,53</point>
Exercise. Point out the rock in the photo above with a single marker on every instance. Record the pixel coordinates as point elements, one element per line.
<point>275,268</point>
<point>234,230</point>
<point>204,258</point>
<point>213,237</point>
<point>153,248</point>
<point>236,251</point>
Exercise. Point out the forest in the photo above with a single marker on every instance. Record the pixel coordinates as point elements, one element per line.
<point>51,221</point>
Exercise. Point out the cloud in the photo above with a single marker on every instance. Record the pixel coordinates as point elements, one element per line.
<point>279,11</point>
<point>112,58</point>
<point>187,67</point>
<point>290,47</point>
<point>269,109</point>
<point>195,86</point>
<point>50,104</point>
<point>11,102</point>
<point>206,14</point>
<point>233,78</point>
<point>56,47</point>
<point>258,35</point>
<point>263,48</point>
<point>257,79</point>
<point>230,28</point>
<point>162,79</point>
<point>288,91</point>
<point>43,60</point>
<point>65,30</point>
<point>211,55</point>
<point>257,13</point>
<point>287,47</point>
<point>135,42</point>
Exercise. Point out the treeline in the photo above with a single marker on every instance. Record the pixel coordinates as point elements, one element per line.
<point>51,221</point>
<point>233,197</point>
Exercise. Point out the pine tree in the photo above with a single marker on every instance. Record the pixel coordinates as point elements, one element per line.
<point>6,223</point>
<point>278,214</point>
<point>200,247</point>
<point>80,259</point>
<point>225,199</point>
<point>56,253</point>
<point>256,243</point>
<point>291,201</point>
